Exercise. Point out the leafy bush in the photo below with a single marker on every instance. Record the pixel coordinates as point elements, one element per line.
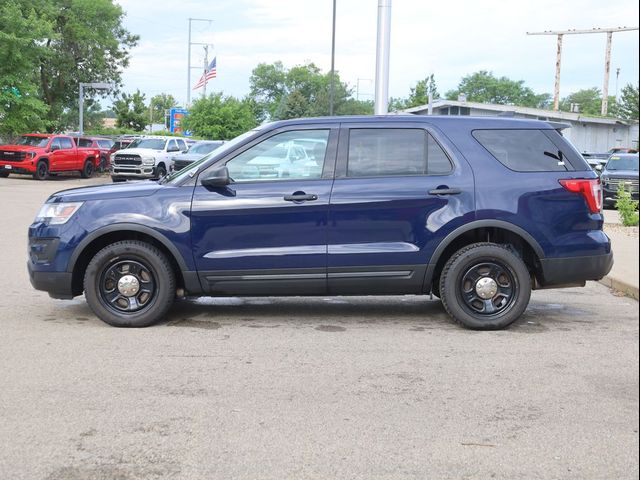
<point>627,207</point>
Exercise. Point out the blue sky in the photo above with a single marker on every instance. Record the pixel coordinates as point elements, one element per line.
<point>449,39</point>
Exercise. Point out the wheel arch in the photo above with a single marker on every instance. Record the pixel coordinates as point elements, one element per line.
<point>496,231</point>
<point>97,240</point>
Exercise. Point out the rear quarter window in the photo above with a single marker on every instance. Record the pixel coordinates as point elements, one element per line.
<point>524,150</point>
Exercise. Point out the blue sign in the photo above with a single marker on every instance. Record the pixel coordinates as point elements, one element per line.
<point>175,120</point>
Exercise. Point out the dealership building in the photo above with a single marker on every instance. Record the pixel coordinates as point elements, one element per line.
<point>588,134</point>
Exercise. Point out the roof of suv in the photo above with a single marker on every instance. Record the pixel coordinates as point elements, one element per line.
<point>465,122</point>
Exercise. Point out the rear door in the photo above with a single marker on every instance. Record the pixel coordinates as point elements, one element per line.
<point>399,190</point>
<point>266,233</point>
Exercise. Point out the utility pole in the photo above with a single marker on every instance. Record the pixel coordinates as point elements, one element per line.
<point>607,59</point>
<point>382,57</point>
<point>189,67</point>
<point>333,61</point>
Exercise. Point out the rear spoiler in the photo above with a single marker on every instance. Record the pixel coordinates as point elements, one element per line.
<point>559,125</point>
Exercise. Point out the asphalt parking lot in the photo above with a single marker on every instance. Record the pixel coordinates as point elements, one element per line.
<point>358,388</point>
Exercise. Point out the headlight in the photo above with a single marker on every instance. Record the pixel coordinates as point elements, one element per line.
<point>148,160</point>
<point>57,213</point>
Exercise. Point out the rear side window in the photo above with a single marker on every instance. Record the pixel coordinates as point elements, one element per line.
<point>395,152</point>
<point>66,143</point>
<point>523,150</point>
<point>84,142</point>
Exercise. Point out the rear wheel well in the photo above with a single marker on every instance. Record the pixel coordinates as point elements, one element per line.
<point>497,235</point>
<point>99,243</point>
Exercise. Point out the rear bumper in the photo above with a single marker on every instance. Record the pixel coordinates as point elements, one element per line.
<point>569,270</point>
<point>56,284</point>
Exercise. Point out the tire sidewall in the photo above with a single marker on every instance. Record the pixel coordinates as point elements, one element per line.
<point>87,170</point>
<point>450,285</point>
<point>41,176</point>
<point>152,259</point>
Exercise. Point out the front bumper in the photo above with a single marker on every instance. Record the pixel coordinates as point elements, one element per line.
<point>138,171</point>
<point>611,196</point>
<point>572,270</point>
<point>18,167</point>
<point>56,284</point>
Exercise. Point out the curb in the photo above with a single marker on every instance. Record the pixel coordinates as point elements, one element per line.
<point>620,286</point>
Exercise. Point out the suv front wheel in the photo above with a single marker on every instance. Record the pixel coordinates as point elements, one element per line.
<point>485,286</point>
<point>130,284</point>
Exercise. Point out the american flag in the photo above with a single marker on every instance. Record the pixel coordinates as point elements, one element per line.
<point>208,75</point>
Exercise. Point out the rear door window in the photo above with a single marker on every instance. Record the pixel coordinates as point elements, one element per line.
<point>385,152</point>
<point>66,143</point>
<point>524,150</point>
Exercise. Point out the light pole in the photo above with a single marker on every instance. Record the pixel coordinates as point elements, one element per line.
<point>189,67</point>
<point>96,86</point>
<point>382,57</point>
<point>333,61</point>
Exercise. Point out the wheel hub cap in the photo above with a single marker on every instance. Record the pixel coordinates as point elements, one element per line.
<point>128,285</point>
<point>486,288</point>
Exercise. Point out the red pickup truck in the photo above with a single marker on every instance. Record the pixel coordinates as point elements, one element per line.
<point>41,154</point>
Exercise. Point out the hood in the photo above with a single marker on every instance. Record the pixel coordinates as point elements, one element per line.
<point>19,148</point>
<point>142,188</point>
<point>631,174</point>
<point>190,157</point>
<point>138,151</point>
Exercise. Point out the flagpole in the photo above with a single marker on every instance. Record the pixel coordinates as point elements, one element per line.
<point>206,70</point>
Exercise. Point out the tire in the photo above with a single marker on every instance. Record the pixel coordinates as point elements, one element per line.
<point>102,165</point>
<point>42,170</point>
<point>161,171</point>
<point>130,284</point>
<point>4,174</point>
<point>495,303</point>
<point>87,169</point>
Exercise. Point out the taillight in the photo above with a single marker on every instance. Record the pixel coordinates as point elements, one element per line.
<point>590,189</point>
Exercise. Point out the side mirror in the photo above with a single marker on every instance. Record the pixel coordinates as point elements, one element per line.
<point>54,148</point>
<point>216,178</point>
<point>599,168</point>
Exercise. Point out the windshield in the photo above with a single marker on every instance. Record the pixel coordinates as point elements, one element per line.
<point>626,162</point>
<point>33,141</point>
<point>192,169</point>
<point>150,143</point>
<point>203,148</point>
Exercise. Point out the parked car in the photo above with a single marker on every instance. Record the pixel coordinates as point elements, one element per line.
<point>477,211</point>
<point>43,154</point>
<point>195,152</point>
<point>622,150</point>
<point>146,157</point>
<point>621,169</point>
<point>596,161</point>
<point>103,145</point>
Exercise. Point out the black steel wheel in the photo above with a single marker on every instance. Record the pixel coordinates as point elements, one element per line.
<point>485,286</point>
<point>161,171</point>
<point>42,170</point>
<point>130,284</point>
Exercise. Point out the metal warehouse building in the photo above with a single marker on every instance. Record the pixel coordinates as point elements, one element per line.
<point>588,134</point>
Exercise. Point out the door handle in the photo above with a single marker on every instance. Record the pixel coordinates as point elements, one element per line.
<point>300,197</point>
<point>445,191</point>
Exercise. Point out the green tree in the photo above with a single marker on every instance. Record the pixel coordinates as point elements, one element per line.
<point>91,120</point>
<point>628,106</point>
<point>22,32</point>
<point>279,92</point>
<point>160,104</point>
<point>87,43</point>
<point>419,95</point>
<point>131,112</point>
<point>589,101</point>
<point>219,117</point>
<point>484,87</point>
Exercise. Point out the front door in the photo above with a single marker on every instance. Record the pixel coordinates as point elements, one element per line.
<point>265,234</point>
<point>398,192</point>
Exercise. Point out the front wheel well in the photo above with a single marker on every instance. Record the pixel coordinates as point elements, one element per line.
<point>501,236</point>
<point>89,251</point>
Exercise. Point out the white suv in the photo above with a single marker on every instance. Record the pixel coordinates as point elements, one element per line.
<point>146,157</point>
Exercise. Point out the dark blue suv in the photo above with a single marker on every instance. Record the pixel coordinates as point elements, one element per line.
<point>477,211</point>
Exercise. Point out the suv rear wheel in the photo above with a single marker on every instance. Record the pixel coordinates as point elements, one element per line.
<point>130,284</point>
<point>485,286</point>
